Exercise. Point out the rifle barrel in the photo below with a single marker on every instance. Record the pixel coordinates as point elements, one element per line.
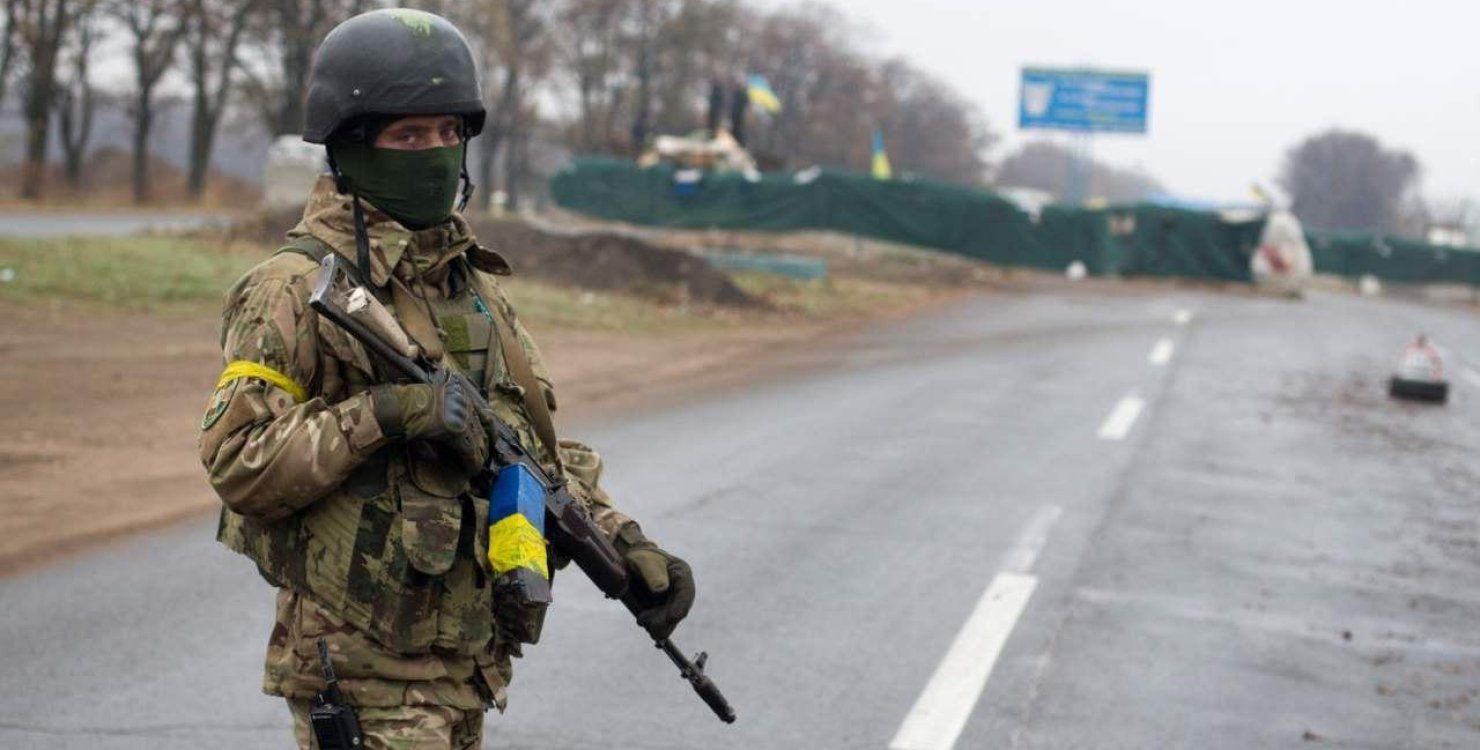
<point>694,673</point>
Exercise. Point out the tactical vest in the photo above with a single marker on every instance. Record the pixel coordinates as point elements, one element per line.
<point>400,549</point>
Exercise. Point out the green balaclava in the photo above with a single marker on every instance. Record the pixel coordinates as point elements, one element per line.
<point>416,188</point>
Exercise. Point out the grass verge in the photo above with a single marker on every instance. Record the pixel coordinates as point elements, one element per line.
<point>835,297</point>
<point>188,275</point>
<point>137,273</point>
<point>551,305</point>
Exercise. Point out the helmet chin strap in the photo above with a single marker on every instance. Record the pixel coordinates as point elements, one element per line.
<point>362,240</point>
<point>467,177</point>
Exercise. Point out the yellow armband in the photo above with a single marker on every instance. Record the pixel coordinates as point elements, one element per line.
<point>244,369</point>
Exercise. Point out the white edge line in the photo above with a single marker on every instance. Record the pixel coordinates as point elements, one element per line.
<point>1118,424</point>
<point>940,713</point>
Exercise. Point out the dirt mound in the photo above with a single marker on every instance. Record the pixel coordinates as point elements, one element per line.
<point>846,256</point>
<point>597,260</point>
<point>611,262</point>
<point>266,227</point>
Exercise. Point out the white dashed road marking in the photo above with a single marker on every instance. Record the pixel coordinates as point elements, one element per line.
<point>1030,542</point>
<point>1473,376</point>
<point>1118,424</point>
<point>944,706</point>
<point>941,711</point>
<point>1161,353</point>
<point>1182,317</point>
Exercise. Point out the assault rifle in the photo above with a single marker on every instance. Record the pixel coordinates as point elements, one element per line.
<point>342,299</point>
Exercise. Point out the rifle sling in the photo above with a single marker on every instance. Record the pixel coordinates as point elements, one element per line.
<point>417,321</point>
<point>517,360</point>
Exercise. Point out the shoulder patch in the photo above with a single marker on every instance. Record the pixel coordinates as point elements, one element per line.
<point>219,401</point>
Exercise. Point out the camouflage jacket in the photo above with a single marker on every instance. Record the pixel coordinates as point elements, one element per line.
<point>380,546</point>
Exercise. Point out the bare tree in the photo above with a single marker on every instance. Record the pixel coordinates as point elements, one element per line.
<point>636,67</point>
<point>587,39</point>
<point>1342,179</point>
<point>1045,165</point>
<point>8,43</point>
<point>651,15</point>
<point>41,26</point>
<point>824,85</point>
<point>76,100</point>
<point>155,28</point>
<point>1459,211</point>
<point>640,67</point>
<point>514,44</point>
<point>213,35</point>
<point>1448,216</point>
<point>526,56</point>
<point>698,42</point>
<point>929,129</point>
<point>284,37</point>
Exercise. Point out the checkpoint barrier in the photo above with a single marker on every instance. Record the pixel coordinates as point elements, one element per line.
<point>1142,239</point>
<point>798,267</point>
<point>1355,255</point>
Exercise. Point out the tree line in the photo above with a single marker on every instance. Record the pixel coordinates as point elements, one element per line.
<point>49,52</point>
<point>1348,180</point>
<point>593,76</point>
<point>1335,179</point>
<point>596,76</point>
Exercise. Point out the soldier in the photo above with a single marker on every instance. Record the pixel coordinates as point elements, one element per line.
<point>350,492</point>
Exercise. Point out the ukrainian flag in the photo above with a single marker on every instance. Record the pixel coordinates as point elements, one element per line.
<point>516,521</point>
<point>882,170</point>
<point>761,94</point>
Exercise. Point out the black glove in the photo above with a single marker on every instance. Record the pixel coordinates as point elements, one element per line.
<point>442,412</point>
<point>661,585</point>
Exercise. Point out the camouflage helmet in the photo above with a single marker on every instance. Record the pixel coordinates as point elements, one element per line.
<point>392,62</point>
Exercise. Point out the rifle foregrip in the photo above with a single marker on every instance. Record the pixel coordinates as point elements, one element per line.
<point>573,532</point>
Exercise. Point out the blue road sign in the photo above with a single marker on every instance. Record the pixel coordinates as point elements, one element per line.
<point>1083,100</point>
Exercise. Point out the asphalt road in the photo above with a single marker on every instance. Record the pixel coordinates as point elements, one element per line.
<point>92,223</point>
<point>1024,522</point>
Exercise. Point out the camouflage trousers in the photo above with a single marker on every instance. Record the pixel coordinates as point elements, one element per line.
<point>403,727</point>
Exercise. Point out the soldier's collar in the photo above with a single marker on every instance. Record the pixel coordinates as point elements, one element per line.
<point>488,260</point>
<point>328,215</point>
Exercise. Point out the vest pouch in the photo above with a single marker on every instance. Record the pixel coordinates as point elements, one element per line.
<point>346,552</point>
<point>496,671</point>
<point>466,338</point>
<point>431,509</point>
<point>359,569</point>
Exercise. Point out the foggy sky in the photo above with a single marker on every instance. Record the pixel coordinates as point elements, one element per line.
<point>1232,84</point>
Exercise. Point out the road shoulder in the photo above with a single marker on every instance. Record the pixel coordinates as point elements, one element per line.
<point>99,406</point>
